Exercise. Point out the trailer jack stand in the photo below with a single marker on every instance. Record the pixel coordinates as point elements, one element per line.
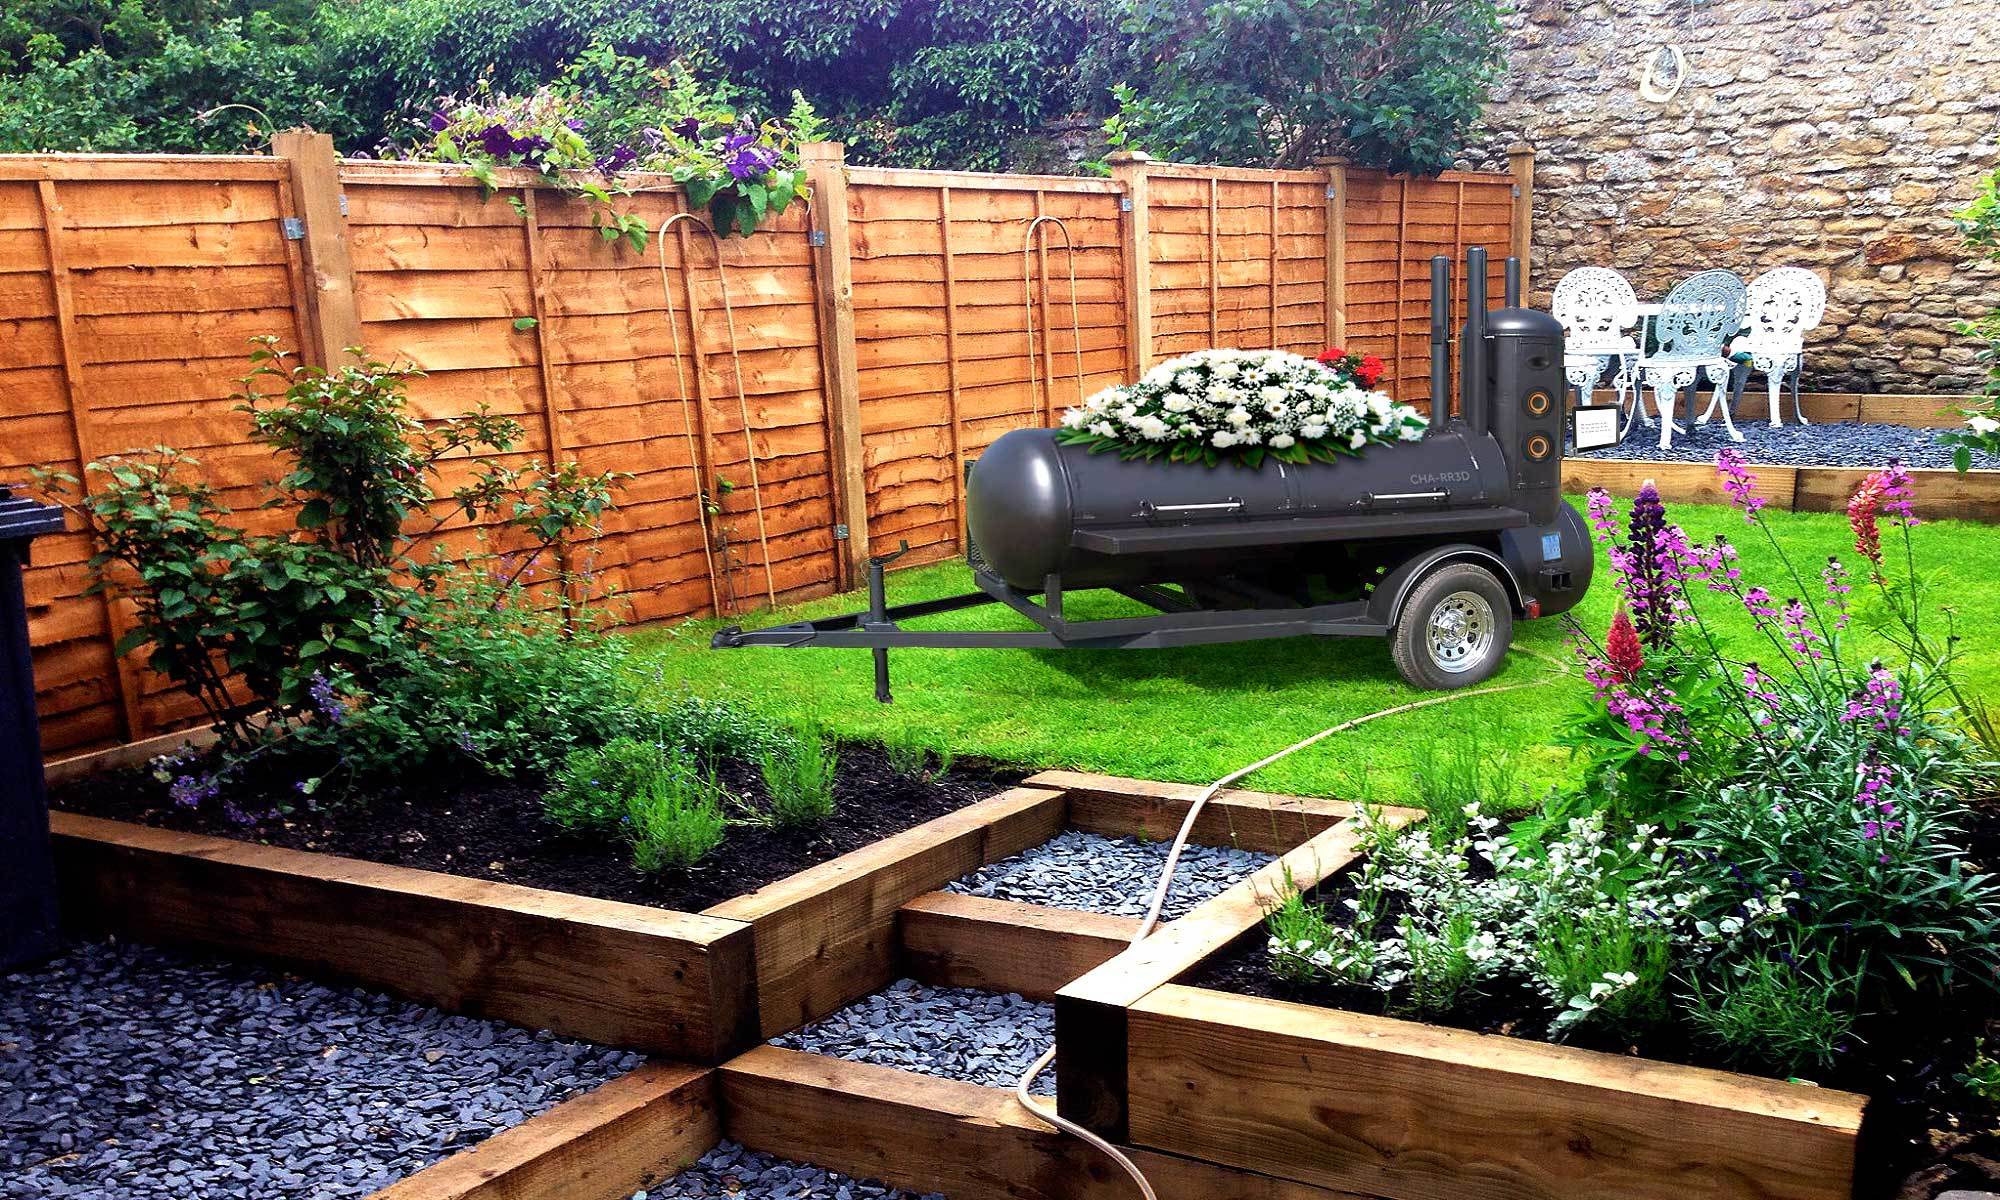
<point>878,614</point>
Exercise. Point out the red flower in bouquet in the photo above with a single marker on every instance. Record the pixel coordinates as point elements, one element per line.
<point>1370,370</point>
<point>1333,356</point>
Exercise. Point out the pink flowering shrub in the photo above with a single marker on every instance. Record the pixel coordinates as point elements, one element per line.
<point>1802,769</point>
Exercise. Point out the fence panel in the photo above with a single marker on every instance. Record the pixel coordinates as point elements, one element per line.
<point>951,275</point>
<point>130,291</point>
<point>130,287</point>
<point>1238,259</point>
<point>1395,223</point>
<point>540,318</point>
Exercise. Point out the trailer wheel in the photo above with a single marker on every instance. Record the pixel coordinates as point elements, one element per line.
<point>1454,629</point>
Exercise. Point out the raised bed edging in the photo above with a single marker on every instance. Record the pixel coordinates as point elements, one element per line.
<point>606,1144</point>
<point>1410,1111</point>
<point>678,984</point>
<point>1404,1110</point>
<point>1974,496</point>
<point>698,987</point>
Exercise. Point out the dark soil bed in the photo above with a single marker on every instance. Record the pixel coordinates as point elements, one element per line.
<point>1923,1134</point>
<point>494,829</point>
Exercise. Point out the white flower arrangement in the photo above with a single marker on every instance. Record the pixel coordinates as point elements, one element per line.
<point>1242,405</point>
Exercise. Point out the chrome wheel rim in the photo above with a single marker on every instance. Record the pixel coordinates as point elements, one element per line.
<point>1459,632</point>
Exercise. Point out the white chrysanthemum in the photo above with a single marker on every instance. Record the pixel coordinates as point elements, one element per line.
<point>1312,431</point>
<point>1238,417</point>
<point>1177,402</point>
<point>1283,441</point>
<point>1223,439</point>
<point>1104,429</point>
<point>1359,439</point>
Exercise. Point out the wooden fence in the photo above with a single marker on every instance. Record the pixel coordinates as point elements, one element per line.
<point>822,390</point>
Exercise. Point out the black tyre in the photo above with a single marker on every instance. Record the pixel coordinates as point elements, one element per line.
<point>1454,629</point>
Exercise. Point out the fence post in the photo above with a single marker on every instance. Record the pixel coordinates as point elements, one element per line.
<point>1128,167</point>
<point>833,283</point>
<point>335,320</point>
<point>84,435</point>
<point>1521,165</point>
<point>1336,251</point>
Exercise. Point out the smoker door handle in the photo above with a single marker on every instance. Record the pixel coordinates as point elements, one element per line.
<point>1149,509</point>
<point>1374,497</point>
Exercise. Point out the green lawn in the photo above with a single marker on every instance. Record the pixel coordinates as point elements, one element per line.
<point>1195,714</point>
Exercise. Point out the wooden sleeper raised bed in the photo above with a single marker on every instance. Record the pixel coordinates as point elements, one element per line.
<point>1405,1110</point>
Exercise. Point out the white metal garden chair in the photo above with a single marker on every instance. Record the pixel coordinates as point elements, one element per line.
<point>1596,307</point>
<point>1784,304</point>
<point>1697,317</point>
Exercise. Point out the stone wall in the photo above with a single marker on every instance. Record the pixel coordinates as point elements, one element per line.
<point>1838,135</point>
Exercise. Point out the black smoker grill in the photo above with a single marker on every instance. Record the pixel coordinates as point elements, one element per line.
<point>1437,544</point>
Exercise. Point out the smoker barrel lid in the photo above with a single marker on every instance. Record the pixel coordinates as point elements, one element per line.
<point>1237,535</point>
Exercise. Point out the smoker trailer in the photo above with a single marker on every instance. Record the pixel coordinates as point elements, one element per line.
<point>1437,544</point>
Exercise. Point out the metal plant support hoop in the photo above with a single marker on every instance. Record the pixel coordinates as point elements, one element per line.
<point>1030,244</point>
<point>689,401</point>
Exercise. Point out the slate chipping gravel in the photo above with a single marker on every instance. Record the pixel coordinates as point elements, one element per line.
<point>143,1074</point>
<point>1828,444</point>
<point>1114,875</point>
<point>730,1171</point>
<point>953,1033</point>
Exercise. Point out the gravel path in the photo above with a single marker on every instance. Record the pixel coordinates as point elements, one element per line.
<point>1831,444</point>
<point>136,1073</point>
<point>954,1033</point>
<point>1108,875</point>
<point>729,1172</point>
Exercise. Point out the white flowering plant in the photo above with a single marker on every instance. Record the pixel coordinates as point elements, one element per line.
<point>1243,406</point>
<point>1591,920</point>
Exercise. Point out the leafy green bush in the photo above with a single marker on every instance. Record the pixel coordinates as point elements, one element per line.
<point>592,790</point>
<point>710,730</point>
<point>911,758</point>
<point>1278,83</point>
<point>1788,1015</point>
<point>675,818</point>
<point>152,75</point>
<point>360,658</point>
<point>799,777</point>
<point>666,807</point>
<point>333,597</point>
<point>1981,1076</point>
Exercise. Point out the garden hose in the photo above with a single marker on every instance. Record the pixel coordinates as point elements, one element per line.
<point>1160,890</point>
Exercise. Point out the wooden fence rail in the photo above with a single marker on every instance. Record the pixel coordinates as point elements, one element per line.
<point>783,401</point>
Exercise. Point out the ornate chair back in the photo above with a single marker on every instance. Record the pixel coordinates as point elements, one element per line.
<point>1700,314</point>
<point>1595,306</point>
<point>1784,303</point>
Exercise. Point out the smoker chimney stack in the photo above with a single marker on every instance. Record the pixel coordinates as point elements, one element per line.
<point>1473,367</point>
